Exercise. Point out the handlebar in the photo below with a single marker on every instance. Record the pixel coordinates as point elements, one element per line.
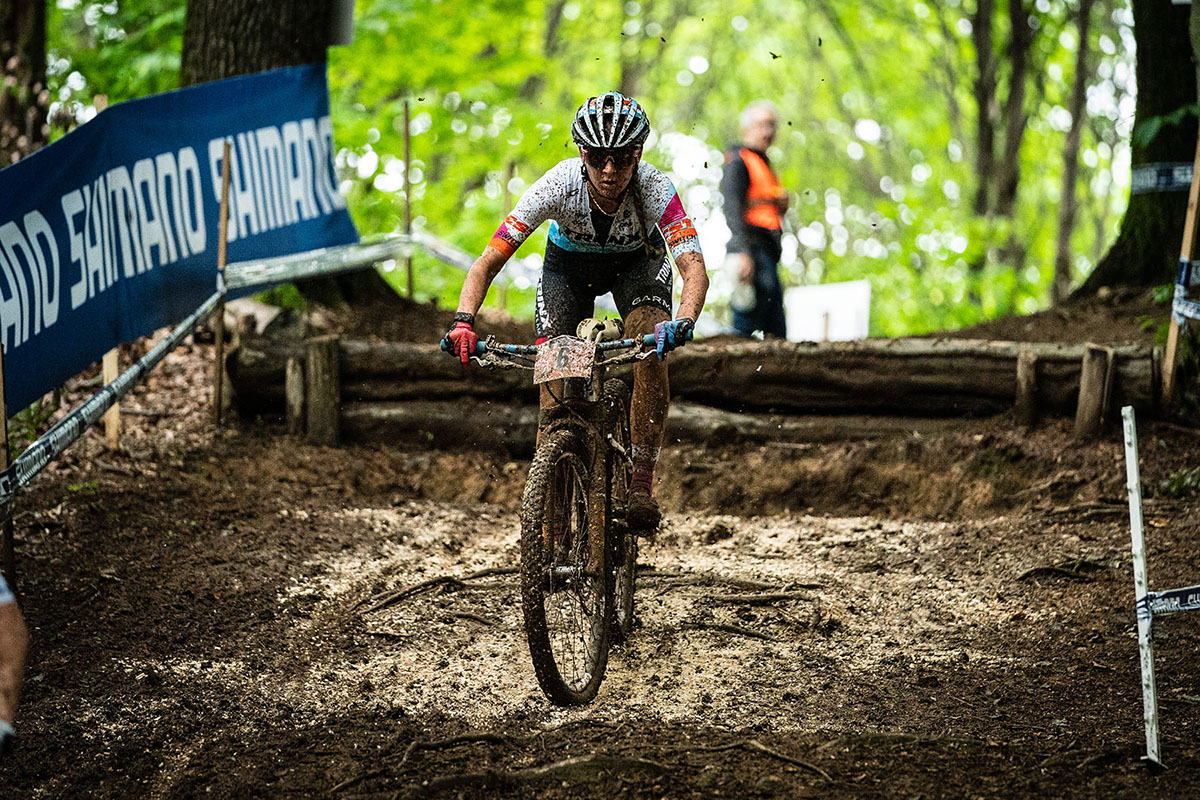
<point>532,349</point>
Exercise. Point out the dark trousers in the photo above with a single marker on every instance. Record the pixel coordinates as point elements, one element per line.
<point>767,313</point>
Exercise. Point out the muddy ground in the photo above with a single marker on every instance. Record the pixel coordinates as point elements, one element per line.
<point>961,626</point>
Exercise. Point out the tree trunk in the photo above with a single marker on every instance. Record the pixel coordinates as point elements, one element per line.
<point>1146,251</point>
<point>23,98</point>
<point>226,38</point>
<point>985,108</point>
<point>1067,203</point>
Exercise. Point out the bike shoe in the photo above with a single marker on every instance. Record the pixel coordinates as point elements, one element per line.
<point>643,515</point>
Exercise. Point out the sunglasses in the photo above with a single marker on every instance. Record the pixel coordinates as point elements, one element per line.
<point>598,157</point>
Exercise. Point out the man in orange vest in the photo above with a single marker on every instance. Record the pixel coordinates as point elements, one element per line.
<point>754,207</point>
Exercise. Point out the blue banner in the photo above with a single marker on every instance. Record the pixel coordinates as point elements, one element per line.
<point>111,232</point>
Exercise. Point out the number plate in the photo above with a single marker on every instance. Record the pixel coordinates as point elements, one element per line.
<point>564,357</point>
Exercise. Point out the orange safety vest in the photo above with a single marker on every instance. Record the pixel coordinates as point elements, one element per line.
<point>761,210</point>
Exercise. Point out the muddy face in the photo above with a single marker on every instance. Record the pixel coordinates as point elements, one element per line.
<point>610,171</point>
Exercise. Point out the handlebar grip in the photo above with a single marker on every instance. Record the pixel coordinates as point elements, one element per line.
<point>648,339</point>
<point>480,347</point>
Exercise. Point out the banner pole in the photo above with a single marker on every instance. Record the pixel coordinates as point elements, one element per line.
<point>408,194</point>
<point>1185,257</point>
<point>1145,616</point>
<point>111,363</point>
<point>10,556</point>
<point>219,312</point>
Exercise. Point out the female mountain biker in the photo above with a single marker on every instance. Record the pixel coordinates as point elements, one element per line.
<point>613,220</point>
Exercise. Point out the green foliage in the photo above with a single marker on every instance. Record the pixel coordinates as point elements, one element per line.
<point>1147,129</point>
<point>1180,484</point>
<point>285,296</point>
<point>877,144</point>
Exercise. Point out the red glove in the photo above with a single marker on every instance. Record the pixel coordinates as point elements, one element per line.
<point>463,341</point>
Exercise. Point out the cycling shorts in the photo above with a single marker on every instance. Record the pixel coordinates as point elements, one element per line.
<point>571,281</point>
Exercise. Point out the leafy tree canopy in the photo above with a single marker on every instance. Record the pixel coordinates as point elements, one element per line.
<point>879,136</point>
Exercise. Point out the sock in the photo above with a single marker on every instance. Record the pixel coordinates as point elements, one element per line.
<point>644,459</point>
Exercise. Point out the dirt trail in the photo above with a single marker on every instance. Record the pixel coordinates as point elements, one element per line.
<point>197,607</point>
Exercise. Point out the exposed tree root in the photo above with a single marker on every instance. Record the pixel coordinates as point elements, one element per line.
<point>589,767</point>
<point>757,746</point>
<point>738,629</point>
<point>764,599</point>
<point>453,741</point>
<point>385,599</point>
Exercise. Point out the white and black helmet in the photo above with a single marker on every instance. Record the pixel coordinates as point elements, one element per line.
<point>610,121</point>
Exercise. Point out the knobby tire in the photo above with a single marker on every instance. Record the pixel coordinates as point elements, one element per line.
<point>556,466</point>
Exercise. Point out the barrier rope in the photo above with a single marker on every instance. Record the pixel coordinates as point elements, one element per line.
<point>71,427</point>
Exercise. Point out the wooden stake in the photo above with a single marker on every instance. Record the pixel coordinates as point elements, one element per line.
<point>112,417</point>
<point>219,313</point>
<point>1026,403</point>
<point>1094,384</point>
<point>1185,255</point>
<point>293,392</point>
<point>408,194</point>
<point>323,395</point>
<point>10,556</point>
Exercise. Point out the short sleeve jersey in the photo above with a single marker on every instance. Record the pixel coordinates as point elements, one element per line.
<point>561,196</point>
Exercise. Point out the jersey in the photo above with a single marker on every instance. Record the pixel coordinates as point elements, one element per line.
<point>561,196</point>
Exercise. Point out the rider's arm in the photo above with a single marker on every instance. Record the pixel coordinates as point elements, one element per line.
<point>695,283</point>
<point>536,205</point>
<point>479,278</point>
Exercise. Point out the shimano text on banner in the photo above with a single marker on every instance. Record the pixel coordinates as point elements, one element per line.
<point>111,232</point>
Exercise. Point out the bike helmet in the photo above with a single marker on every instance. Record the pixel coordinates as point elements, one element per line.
<point>610,121</point>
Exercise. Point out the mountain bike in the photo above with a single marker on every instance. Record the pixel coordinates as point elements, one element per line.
<point>578,554</point>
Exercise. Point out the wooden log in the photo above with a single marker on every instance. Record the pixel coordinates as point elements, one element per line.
<point>1095,383</point>
<point>323,390</point>
<point>471,425</point>
<point>294,395</point>
<point>906,377</point>
<point>501,427</point>
<point>1026,406</point>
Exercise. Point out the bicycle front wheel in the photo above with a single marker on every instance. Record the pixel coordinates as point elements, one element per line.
<point>624,543</point>
<point>566,594</point>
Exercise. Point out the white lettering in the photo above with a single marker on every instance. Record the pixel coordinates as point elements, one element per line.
<point>271,160</point>
<point>149,214</point>
<point>120,193</point>
<point>37,228</point>
<point>95,237</point>
<point>72,206</point>
<point>192,200</point>
<point>293,152</point>
<point>19,253</point>
<point>325,126</point>
<point>170,199</point>
<point>10,306</point>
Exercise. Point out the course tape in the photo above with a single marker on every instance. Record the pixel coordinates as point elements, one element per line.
<point>1159,604</point>
<point>72,426</point>
<point>1168,177</point>
<point>347,258</point>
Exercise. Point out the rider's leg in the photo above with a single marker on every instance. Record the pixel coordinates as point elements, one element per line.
<point>647,418</point>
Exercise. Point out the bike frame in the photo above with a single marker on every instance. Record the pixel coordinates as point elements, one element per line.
<point>579,409</point>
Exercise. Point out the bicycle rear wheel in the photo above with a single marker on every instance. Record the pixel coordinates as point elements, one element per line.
<point>566,594</point>
<point>616,400</point>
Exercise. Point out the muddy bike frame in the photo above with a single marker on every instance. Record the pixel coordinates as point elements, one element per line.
<point>584,413</point>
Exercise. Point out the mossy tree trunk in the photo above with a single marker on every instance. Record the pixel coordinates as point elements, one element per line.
<point>225,38</point>
<point>1146,252</point>
<point>23,96</point>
